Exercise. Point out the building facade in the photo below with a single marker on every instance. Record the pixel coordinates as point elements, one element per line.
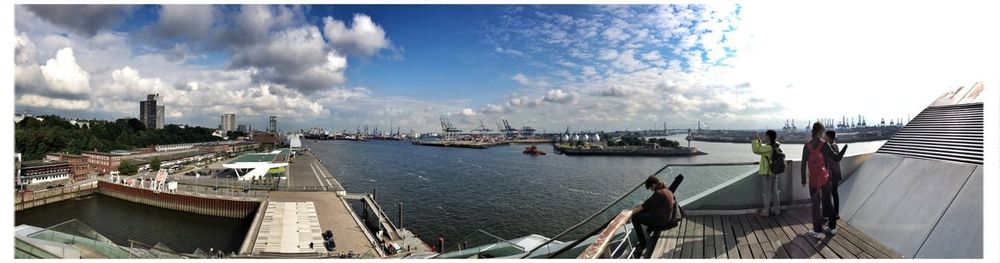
<point>79,166</point>
<point>228,122</point>
<point>272,124</point>
<point>159,116</point>
<point>43,171</point>
<point>148,111</point>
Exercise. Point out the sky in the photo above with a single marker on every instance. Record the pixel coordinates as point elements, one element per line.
<point>589,67</point>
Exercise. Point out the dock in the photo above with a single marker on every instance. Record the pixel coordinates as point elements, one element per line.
<point>310,202</point>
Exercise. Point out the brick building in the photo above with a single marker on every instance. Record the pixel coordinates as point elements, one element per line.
<point>79,166</point>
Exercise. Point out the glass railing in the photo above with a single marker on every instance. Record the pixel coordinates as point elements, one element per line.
<point>708,176</point>
<point>80,235</point>
<point>481,244</point>
<point>27,250</point>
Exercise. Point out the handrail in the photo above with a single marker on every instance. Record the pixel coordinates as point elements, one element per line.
<point>619,200</point>
<point>604,239</point>
<point>473,233</point>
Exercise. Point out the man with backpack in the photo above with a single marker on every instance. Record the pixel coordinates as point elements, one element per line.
<point>772,164</point>
<point>814,157</point>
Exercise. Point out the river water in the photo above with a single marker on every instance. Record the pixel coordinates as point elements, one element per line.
<point>121,221</point>
<point>451,192</point>
<point>447,192</point>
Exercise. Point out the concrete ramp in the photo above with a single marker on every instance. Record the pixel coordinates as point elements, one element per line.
<point>904,208</point>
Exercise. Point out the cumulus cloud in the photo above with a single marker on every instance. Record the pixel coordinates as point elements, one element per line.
<point>82,19</point>
<point>40,101</point>
<point>192,22</point>
<point>63,75</point>
<point>295,57</point>
<point>364,37</point>
<point>559,96</point>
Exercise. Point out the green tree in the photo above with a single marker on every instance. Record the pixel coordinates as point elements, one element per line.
<point>126,167</point>
<point>155,163</point>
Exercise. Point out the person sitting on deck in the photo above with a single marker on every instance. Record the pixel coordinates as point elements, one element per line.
<point>657,211</point>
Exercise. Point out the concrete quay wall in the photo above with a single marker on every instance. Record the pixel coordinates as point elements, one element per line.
<point>222,207</point>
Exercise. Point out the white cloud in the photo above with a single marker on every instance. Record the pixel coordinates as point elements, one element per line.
<point>363,38</point>
<point>559,96</point>
<point>33,100</point>
<point>63,75</point>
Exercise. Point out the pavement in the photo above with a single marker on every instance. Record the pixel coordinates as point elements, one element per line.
<point>306,173</point>
<point>333,215</point>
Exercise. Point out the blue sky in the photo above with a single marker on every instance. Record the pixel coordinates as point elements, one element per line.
<point>585,66</point>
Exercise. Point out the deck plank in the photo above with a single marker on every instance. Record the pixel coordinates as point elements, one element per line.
<point>742,244</point>
<point>804,225</point>
<point>699,238</point>
<point>687,244</point>
<point>749,236</point>
<point>776,243</point>
<point>752,239</point>
<point>730,237</point>
<point>798,240</point>
<point>791,249</point>
<point>718,235</point>
<point>762,239</point>
<point>832,242</point>
<point>665,243</point>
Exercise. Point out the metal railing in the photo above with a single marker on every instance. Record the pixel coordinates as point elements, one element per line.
<point>463,244</point>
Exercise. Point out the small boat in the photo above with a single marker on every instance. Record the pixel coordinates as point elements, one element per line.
<point>533,150</point>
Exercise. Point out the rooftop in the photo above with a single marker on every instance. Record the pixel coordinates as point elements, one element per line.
<point>254,158</point>
<point>41,163</point>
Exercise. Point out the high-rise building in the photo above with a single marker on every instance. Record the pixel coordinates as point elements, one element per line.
<point>148,111</point>
<point>228,122</point>
<point>241,128</point>
<point>272,124</point>
<point>159,116</point>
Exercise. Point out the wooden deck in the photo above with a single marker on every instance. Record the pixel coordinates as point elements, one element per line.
<point>750,236</point>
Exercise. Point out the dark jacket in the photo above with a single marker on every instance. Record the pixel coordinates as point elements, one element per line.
<point>660,204</point>
<point>834,166</point>
<point>828,154</point>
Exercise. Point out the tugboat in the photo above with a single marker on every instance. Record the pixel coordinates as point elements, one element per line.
<point>533,150</point>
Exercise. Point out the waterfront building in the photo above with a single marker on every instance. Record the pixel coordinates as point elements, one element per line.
<point>79,167</point>
<point>148,111</point>
<point>159,116</point>
<point>272,125</point>
<point>256,165</point>
<point>43,171</point>
<point>228,122</point>
<point>266,139</point>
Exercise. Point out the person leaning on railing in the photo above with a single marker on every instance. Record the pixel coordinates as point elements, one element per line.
<point>657,211</point>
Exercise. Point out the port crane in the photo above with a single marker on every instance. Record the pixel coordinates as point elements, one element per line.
<point>448,128</point>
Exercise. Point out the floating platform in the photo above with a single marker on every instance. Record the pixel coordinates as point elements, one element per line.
<point>661,152</point>
<point>461,144</point>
